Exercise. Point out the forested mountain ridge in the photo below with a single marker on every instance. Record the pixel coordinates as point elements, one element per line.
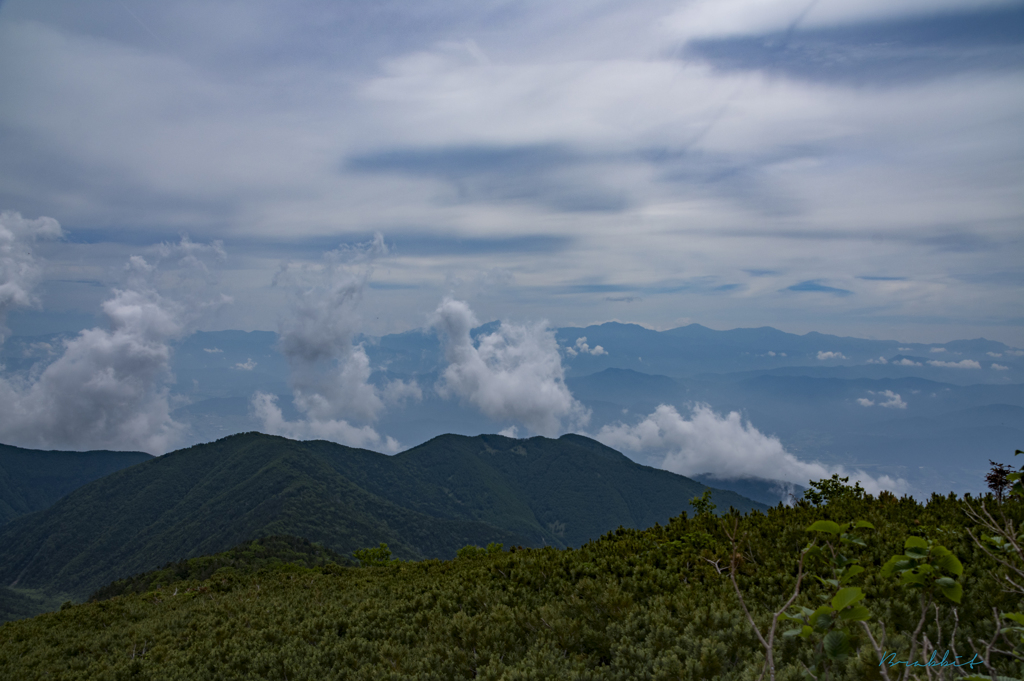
<point>426,502</point>
<point>31,480</point>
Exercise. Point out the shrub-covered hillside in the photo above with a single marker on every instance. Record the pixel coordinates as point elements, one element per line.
<point>266,552</point>
<point>653,604</point>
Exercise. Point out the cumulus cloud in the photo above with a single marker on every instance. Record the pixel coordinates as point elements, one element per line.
<point>724,447</point>
<point>19,270</point>
<point>329,374</point>
<point>962,364</point>
<point>266,409</point>
<point>513,374</point>
<point>582,347</point>
<point>830,355</point>
<point>1000,367</point>
<point>885,398</point>
<point>880,360</point>
<point>247,365</point>
<point>109,387</point>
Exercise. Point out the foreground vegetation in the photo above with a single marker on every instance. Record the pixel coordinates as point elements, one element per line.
<point>663,603</point>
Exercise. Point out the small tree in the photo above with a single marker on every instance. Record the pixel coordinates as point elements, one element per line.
<point>702,505</point>
<point>829,490</point>
<point>997,480</point>
<point>373,557</point>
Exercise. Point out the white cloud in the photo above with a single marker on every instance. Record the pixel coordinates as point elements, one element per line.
<point>19,270</point>
<point>1017,353</point>
<point>822,355</point>
<point>213,350</point>
<point>724,447</point>
<point>937,350</point>
<point>399,391</point>
<point>880,360</point>
<point>892,400</point>
<point>513,374</point>
<point>329,375</point>
<point>994,354</point>
<point>907,362</point>
<point>109,388</point>
<point>582,347</point>
<point>906,349</point>
<point>247,365</point>
<point>265,408</point>
<point>1000,367</point>
<point>511,431</point>
<point>40,349</point>
<point>962,364</point>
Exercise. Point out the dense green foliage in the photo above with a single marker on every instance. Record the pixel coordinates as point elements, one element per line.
<point>16,604</point>
<point>32,480</point>
<point>652,604</point>
<point>426,502</point>
<point>246,558</point>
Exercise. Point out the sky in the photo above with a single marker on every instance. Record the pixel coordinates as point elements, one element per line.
<point>848,168</point>
<point>332,170</point>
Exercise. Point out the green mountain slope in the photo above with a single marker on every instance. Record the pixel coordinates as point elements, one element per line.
<point>32,480</point>
<point>426,502</point>
<point>206,499</point>
<point>562,492</point>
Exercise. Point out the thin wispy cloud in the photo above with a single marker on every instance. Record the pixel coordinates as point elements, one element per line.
<point>886,399</point>
<point>962,364</point>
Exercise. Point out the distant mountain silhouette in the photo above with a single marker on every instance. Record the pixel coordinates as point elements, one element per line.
<point>32,480</point>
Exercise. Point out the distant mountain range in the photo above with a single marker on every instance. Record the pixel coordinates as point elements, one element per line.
<point>426,502</point>
<point>32,480</point>
<point>959,403</point>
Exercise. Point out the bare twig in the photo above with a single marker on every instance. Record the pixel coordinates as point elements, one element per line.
<point>989,647</point>
<point>769,643</point>
<point>925,602</point>
<point>926,646</point>
<point>715,564</point>
<point>878,649</point>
